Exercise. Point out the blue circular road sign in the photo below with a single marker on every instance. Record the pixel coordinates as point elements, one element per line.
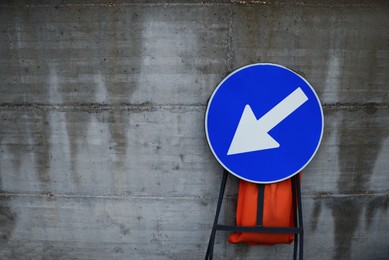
<point>264,123</point>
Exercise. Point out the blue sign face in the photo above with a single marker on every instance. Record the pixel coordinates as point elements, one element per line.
<point>264,123</point>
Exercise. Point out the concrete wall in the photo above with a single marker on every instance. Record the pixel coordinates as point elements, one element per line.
<point>102,148</point>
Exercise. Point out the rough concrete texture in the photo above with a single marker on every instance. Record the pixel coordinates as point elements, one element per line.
<point>102,148</point>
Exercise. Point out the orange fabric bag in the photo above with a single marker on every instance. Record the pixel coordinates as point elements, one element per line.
<point>277,212</point>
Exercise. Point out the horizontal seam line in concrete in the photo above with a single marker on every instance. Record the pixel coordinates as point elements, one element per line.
<point>345,106</point>
<point>112,197</point>
<point>344,195</point>
<point>140,197</point>
<point>95,107</point>
<point>305,3</point>
<point>203,3</point>
<point>113,4</point>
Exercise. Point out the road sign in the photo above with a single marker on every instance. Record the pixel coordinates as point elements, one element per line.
<point>264,123</point>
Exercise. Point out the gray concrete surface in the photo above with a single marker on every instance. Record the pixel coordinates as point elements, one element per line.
<point>102,148</point>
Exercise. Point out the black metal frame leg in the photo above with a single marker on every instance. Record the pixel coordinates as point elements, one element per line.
<point>209,254</point>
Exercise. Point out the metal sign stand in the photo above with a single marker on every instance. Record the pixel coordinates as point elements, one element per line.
<point>297,230</point>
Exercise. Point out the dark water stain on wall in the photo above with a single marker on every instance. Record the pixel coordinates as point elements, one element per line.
<point>8,125</point>
<point>7,217</point>
<point>375,205</point>
<point>361,134</point>
<point>38,127</point>
<point>317,207</point>
<point>346,212</point>
<point>7,221</point>
<point>26,135</point>
<point>118,128</point>
<point>41,147</point>
<point>361,138</point>
<point>123,62</point>
<point>76,122</point>
<point>76,126</point>
<point>263,33</point>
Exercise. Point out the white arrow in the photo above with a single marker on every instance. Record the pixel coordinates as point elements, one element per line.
<point>252,134</point>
